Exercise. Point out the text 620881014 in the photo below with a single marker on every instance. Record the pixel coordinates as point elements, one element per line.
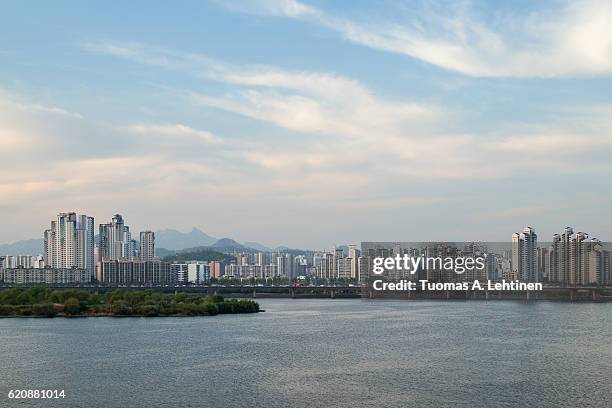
<point>36,394</point>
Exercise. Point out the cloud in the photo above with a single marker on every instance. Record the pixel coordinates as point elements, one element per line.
<point>285,8</point>
<point>175,132</point>
<point>340,149</point>
<point>22,124</point>
<point>15,101</point>
<point>324,103</point>
<point>558,143</point>
<point>572,40</point>
<point>50,109</point>
<point>354,129</point>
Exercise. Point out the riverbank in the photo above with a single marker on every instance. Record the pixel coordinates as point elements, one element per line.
<point>44,302</point>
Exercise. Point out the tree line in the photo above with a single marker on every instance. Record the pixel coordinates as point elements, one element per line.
<point>42,301</point>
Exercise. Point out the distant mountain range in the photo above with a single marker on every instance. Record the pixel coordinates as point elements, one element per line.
<point>226,246</point>
<point>25,247</point>
<point>259,247</point>
<point>175,240</point>
<point>167,241</point>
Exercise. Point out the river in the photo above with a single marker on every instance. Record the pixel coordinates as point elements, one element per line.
<point>320,353</point>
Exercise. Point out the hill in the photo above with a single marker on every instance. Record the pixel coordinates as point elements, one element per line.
<point>175,240</point>
<point>197,254</point>
<point>25,247</point>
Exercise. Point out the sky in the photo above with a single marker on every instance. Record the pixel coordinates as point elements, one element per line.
<point>309,123</point>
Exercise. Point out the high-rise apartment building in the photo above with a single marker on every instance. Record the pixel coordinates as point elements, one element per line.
<point>576,259</point>
<point>69,243</point>
<point>354,254</point>
<point>587,260</point>
<point>344,268</point>
<point>115,240</point>
<point>560,257</point>
<point>525,255</point>
<point>147,246</point>
<point>325,268</point>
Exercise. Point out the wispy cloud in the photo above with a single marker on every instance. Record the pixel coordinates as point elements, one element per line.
<point>574,39</point>
<point>385,135</point>
<point>17,102</point>
<point>285,8</point>
<point>298,100</point>
<point>174,131</point>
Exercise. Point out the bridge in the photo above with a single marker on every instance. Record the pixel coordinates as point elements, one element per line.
<point>576,293</point>
<point>250,291</point>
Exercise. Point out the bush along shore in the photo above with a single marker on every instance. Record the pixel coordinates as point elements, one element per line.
<point>44,302</point>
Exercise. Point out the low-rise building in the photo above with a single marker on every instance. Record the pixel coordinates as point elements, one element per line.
<point>136,272</point>
<point>50,276</point>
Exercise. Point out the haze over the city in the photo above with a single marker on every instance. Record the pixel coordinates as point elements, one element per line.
<point>305,123</point>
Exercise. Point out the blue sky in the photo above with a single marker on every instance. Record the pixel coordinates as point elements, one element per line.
<point>308,123</point>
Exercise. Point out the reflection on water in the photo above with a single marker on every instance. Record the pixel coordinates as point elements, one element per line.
<point>321,352</point>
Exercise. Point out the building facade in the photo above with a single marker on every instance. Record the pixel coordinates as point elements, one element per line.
<point>147,246</point>
<point>123,271</point>
<point>69,243</point>
<point>575,259</point>
<point>49,276</point>
<point>524,260</point>
<point>22,261</point>
<point>115,240</point>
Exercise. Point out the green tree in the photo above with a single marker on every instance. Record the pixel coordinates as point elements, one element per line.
<point>43,309</point>
<point>208,308</point>
<point>72,306</point>
<point>121,307</point>
<point>215,299</point>
<point>7,310</point>
<point>148,310</point>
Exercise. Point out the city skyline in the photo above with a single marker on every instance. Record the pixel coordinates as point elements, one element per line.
<point>98,227</point>
<point>72,254</point>
<point>457,120</point>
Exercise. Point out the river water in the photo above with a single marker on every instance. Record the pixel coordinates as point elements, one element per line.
<point>320,353</point>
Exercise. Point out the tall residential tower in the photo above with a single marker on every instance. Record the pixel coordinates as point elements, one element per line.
<point>147,245</point>
<point>525,255</point>
<point>69,243</point>
<point>115,240</point>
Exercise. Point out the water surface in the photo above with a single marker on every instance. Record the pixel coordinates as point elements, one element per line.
<point>321,353</point>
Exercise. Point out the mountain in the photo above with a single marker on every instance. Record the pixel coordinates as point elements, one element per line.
<point>257,246</point>
<point>293,251</point>
<point>227,244</point>
<point>163,252</point>
<point>196,254</point>
<point>167,242</point>
<point>222,246</point>
<point>25,247</point>
<point>174,240</point>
